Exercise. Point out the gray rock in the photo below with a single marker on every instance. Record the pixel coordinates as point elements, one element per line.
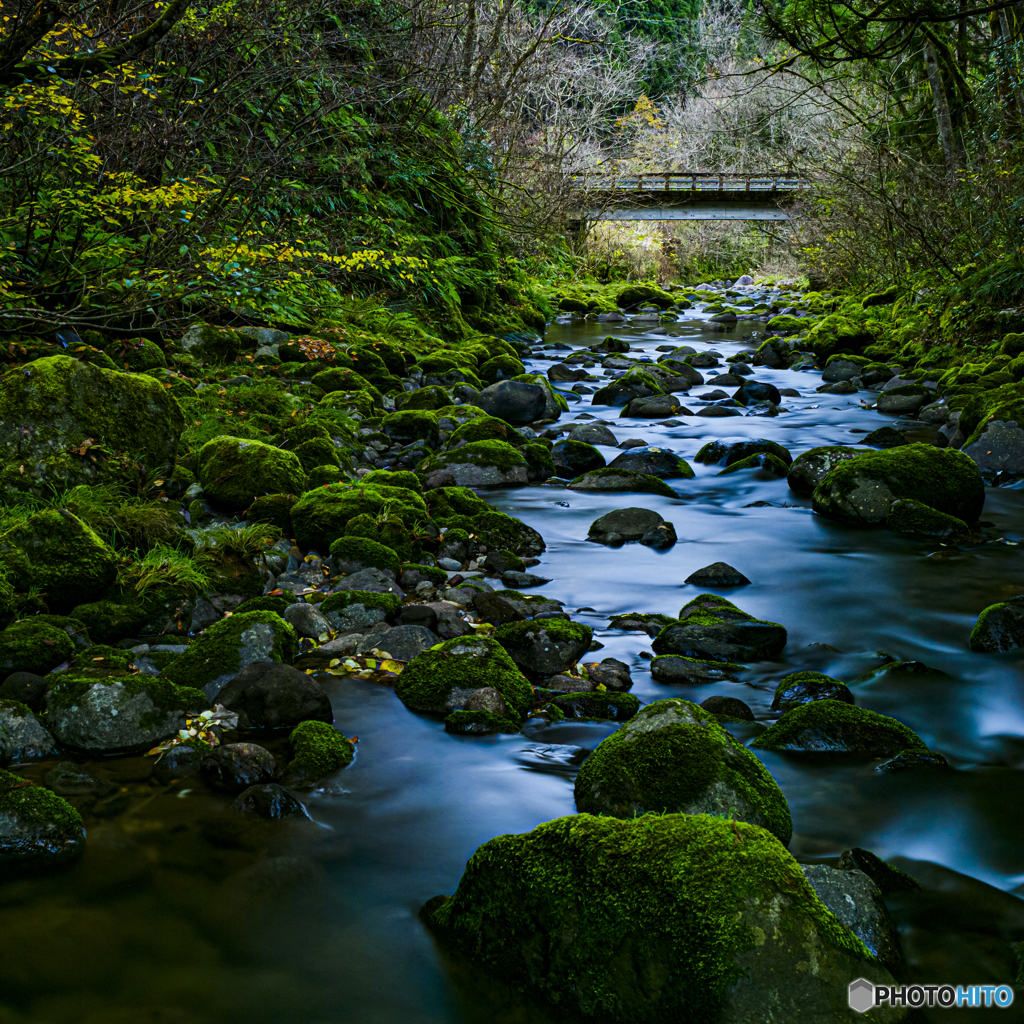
<point>840,369</point>
<point>488,699</point>
<point>592,433</point>
<point>611,674</point>
<point>844,387</point>
<point>513,401</point>
<point>403,643</point>
<point>271,695</point>
<point>625,524</point>
<point>999,452</point>
<point>656,407</point>
<point>653,461</point>
<point>306,620</point>
<point>672,670</point>
<point>718,574</point>
<point>763,409</point>
<point>809,469</point>
<point>354,618</point>
<point>900,403</point>
<point>237,766</point>
<point>885,437</point>
<point>660,537</point>
<point>857,902</point>
<point>176,763</point>
<point>727,707</point>
<point>33,833</point>
<point>935,413</point>
<point>203,615</point>
<point>720,410</point>
<point>495,609</point>
<point>374,581</point>
<point>22,738</point>
<point>70,779</point>
<point>515,580</point>
<point>450,621</point>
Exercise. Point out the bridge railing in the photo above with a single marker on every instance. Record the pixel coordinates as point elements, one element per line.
<point>698,181</point>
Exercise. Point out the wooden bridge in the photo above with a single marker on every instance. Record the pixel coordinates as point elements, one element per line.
<point>676,195</point>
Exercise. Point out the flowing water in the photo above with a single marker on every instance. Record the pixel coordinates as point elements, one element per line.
<point>178,913</point>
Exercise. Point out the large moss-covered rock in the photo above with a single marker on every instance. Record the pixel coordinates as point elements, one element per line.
<point>862,490</point>
<point>810,468</point>
<point>837,333</point>
<point>443,678</point>
<point>1000,627</point>
<point>318,750</point>
<point>234,471</point>
<point>710,628</point>
<point>67,559</point>
<point>212,344</point>
<point>481,464</point>
<point>65,422</point>
<point>677,918</point>
<point>118,714</point>
<point>459,508</point>
<point>30,646</point>
<point>675,757</point>
<point>545,647</point>
<point>225,648</point>
<point>321,516</point>
<point>37,828</point>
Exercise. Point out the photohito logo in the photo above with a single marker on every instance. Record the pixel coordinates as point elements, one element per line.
<point>863,995</point>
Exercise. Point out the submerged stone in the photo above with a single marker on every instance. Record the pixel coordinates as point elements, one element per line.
<point>1000,627</point>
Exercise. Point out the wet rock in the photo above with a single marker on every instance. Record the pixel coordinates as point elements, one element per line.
<point>623,524</point>
<point>857,901</point>
<point>713,629</point>
<point>1000,627</point>
<point>672,670</point>
<point>418,615</point>
<point>592,433</point>
<point>763,409</point>
<point>725,380</point>
<point>495,609</point>
<point>622,480</point>
<point>660,537</point>
<point>889,879</point>
<point>841,369</point>
<point>751,392</point>
<point>306,620</point>
<point>810,468</point>
<point>270,695</point>
<point>234,471</point>
<point>352,611</point>
<point>729,452</point>
<point>720,410</point>
<point>803,687</point>
<point>178,762</point>
<point>237,766</point>
<point>561,372</point>
<point>903,400</point>
<point>611,674</point>
<point>372,581</point>
<point>591,705</point>
<point>403,643</point>
<point>546,647</point>
<point>22,738</point>
<point>911,760</point>
<point>490,463</point>
<point>522,580</point>
<point>843,387</point>
<point>35,647</point>
<point>999,452</point>
<point>653,461</point>
<point>655,407</point>
<point>832,727</point>
<point>727,708</point>
<point>674,757</point>
<point>70,779</point>
<point>884,437</point>
<point>906,516</point>
<point>649,623</point>
<point>38,829</point>
<point>572,457</point>
<point>513,401</point>
<point>269,801</point>
<point>25,687</point>
<point>717,575</point>
<point>860,491</point>
<point>450,621</point>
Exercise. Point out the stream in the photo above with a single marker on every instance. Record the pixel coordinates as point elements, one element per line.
<point>179,914</point>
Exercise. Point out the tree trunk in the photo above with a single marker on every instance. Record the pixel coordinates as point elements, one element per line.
<point>961,40</point>
<point>469,51</point>
<point>1011,60</point>
<point>940,101</point>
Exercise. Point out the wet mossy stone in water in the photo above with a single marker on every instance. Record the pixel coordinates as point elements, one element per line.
<point>609,479</point>
<point>234,471</point>
<point>28,646</point>
<point>763,463</point>
<point>592,705</point>
<point>51,407</point>
<point>635,295</point>
<point>480,464</point>
<point>674,757</point>
<point>478,722</point>
<point>731,452</point>
<point>358,609</point>
<point>811,467</point>
<point>1000,627</point>
<point>716,911</point>
<point>622,525</point>
<point>545,647</point>
<point>713,629</point>
<point>804,687</point>
<point>673,669</point>
<point>906,516</point>
<point>862,490</point>
<point>118,714</point>
<point>350,554</point>
<point>443,678</point>
<point>22,738</point>
<point>38,829</point>
<point>884,437</point>
<point>653,461</point>
<point>321,516</point>
<point>573,458</point>
<point>461,508</point>
<point>318,750</point>
<point>216,656</point>
<point>834,727</point>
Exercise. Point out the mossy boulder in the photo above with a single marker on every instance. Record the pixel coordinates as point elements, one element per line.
<point>1000,627</point>
<point>674,757</point>
<point>480,464</point>
<point>913,517</point>
<point>861,491</point>
<point>412,425</point>
<point>710,628</point>
<point>764,463</point>
<point>316,452</point>
<point>431,397</point>
<point>835,727</point>
<point>35,647</point>
<point>443,678</point>
<point>486,428</point>
<point>673,669</point>
<point>350,554</point>
<point>66,558</point>
<point>392,478</point>
<point>118,714</point>
<point>673,918</point>
<point>611,479</point>
<point>225,648</point>
<point>320,517</point>
<point>642,295</point>
<point>545,647</point>
<point>213,345</point>
<point>318,750</point>
<point>64,423</point>
<point>352,610</point>
<point>459,508</point>
<point>837,333</point>
<point>595,705</point>
<point>502,367</point>
<point>572,459</point>
<point>38,829</point>
<point>731,452</point>
<point>234,471</point>
<point>803,687</point>
<point>109,621</point>
<point>275,509</point>
<point>342,379</point>
<point>811,467</point>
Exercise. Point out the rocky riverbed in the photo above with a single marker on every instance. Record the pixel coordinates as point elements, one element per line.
<point>851,702</point>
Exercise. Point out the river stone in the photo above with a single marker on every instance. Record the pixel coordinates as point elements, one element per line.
<point>372,580</point>
<point>654,407</point>
<point>623,524</point>
<point>910,760</point>
<point>903,400</point>
<point>545,647</point>
<point>681,371</point>
<point>70,779</point>
<point>752,392</point>
<point>672,670</point>
<point>611,674</point>
<point>622,480</point>
<point>695,883</point>
<point>809,469</point>
<point>804,687</point>
<point>718,574</point>
<point>176,763</point>
<point>832,727</point>
<point>889,879</point>
<point>674,757</point>
<point>237,766</point>
<point>735,451</point>
<point>403,643</point>
<point>270,695</point>
<point>594,705</point>
<point>1000,627</point>
<point>841,369</point>
<point>116,717</point>
<point>38,829</point>
<point>572,457</point>
<point>306,620</point>
<point>22,738</point>
<point>494,609</point>
<point>513,401</point>
<point>720,410</point>
<point>725,380</point>
<point>515,580</point>
<point>660,537</point>
<point>728,708</point>
<point>999,452</point>
<point>269,800</point>
<point>906,516</point>
<point>26,688</point>
<point>653,461</point>
<point>561,372</point>
<point>884,437</point>
<point>842,387</point>
<point>592,433</point>
<point>481,464</point>
<point>717,630</point>
<point>861,491</point>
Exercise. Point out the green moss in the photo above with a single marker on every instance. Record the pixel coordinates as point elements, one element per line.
<point>393,478</point>
<point>498,455</point>
<point>907,516</point>
<point>411,425</point>
<point>830,726</point>
<point>465,663</point>
<point>592,704</point>
<point>15,708</point>
<point>273,508</point>
<point>29,646</point>
<point>431,397</point>
<point>802,687</point>
<point>320,517</point>
<point>338,379</point>
<point>539,464</point>
<point>36,804</point>
<point>763,461</point>
<point>460,507</point>
<point>165,695</point>
<point>486,428</point>
<point>234,471</point>
<point>366,552</point>
<point>559,630</point>
<point>110,621</point>
<point>502,367</point>
<point>431,572</point>
<point>675,757</point>
<point>217,651</point>
<point>787,323</point>
<point>391,603</point>
<point>609,479</point>
<point>276,603</point>
<point>478,723</point>
<point>640,294</point>
<point>837,333</point>
<point>101,656</point>
<point>318,750</point>
<point>317,451</point>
